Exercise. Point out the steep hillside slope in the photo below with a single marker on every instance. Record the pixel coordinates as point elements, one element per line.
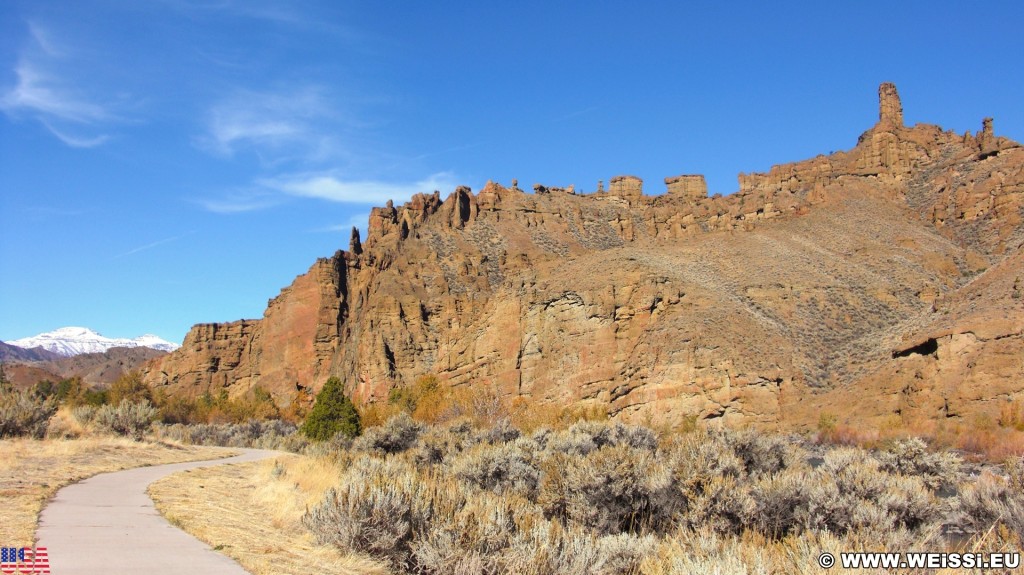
<point>744,308</point>
<point>11,353</point>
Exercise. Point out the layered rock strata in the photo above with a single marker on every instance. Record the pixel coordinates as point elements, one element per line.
<point>747,308</point>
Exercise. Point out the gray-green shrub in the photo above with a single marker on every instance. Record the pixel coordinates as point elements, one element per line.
<point>911,457</point>
<point>502,468</point>
<point>24,415</point>
<point>398,434</point>
<point>610,490</point>
<point>993,499</point>
<point>603,497</point>
<point>129,418</point>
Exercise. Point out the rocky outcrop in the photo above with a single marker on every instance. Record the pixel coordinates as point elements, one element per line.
<point>743,308</point>
<point>890,108</point>
<point>289,349</point>
<point>626,187</point>
<point>689,186</point>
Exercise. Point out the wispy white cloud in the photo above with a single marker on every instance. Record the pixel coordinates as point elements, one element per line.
<point>45,90</point>
<point>328,186</point>
<point>42,94</point>
<point>45,40</point>
<point>152,245</point>
<point>274,125</point>
<point>75,141</point>
<point>238,202</point>
<point>291,14</point>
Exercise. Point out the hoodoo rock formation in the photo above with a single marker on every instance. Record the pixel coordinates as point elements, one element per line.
<point>883,275</point>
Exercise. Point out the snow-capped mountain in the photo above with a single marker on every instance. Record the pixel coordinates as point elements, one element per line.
<point>68,341</point>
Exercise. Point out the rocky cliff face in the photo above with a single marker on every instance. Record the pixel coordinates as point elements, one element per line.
<point>744,308</point>
<point>289,349</point>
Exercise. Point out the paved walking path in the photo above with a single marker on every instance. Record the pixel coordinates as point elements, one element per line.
<point>107,524</point>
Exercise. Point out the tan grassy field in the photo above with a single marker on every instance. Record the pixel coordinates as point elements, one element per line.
<point>252,512</point>
<point>33,471</point>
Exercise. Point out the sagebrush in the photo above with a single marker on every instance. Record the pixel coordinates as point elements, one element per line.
<point>604,497</point>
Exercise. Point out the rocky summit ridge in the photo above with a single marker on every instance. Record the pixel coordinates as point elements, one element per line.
<point>886,276</point>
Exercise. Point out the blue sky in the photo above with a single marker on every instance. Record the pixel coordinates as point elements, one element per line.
<point>169,162</point>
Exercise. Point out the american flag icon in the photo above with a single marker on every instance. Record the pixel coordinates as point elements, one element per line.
<point>24,560</point>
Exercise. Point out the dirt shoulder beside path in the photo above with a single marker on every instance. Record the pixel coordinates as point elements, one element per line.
<point>253,512</point>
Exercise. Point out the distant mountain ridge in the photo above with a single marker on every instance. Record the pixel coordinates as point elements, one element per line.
<point>72,341</point>
<point>10,352</point>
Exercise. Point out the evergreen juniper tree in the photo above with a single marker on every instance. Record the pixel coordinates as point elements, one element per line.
<point>332,413</point>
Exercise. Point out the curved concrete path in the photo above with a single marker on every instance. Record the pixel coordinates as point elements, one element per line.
<point>108,524</point>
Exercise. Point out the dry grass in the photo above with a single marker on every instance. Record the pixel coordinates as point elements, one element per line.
<point>431,402</point>
<point>980,439</point>
<point>252,512</point>
<point>34,470</point>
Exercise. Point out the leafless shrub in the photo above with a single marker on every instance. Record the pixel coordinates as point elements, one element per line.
<point>762,454</point>
<point>398,434</point>
<point>610,490</point>
<point>501,432</point>
<point>722,505</point>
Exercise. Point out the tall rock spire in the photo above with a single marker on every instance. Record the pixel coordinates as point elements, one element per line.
<point>354,245</point>
<point>890,110</point>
